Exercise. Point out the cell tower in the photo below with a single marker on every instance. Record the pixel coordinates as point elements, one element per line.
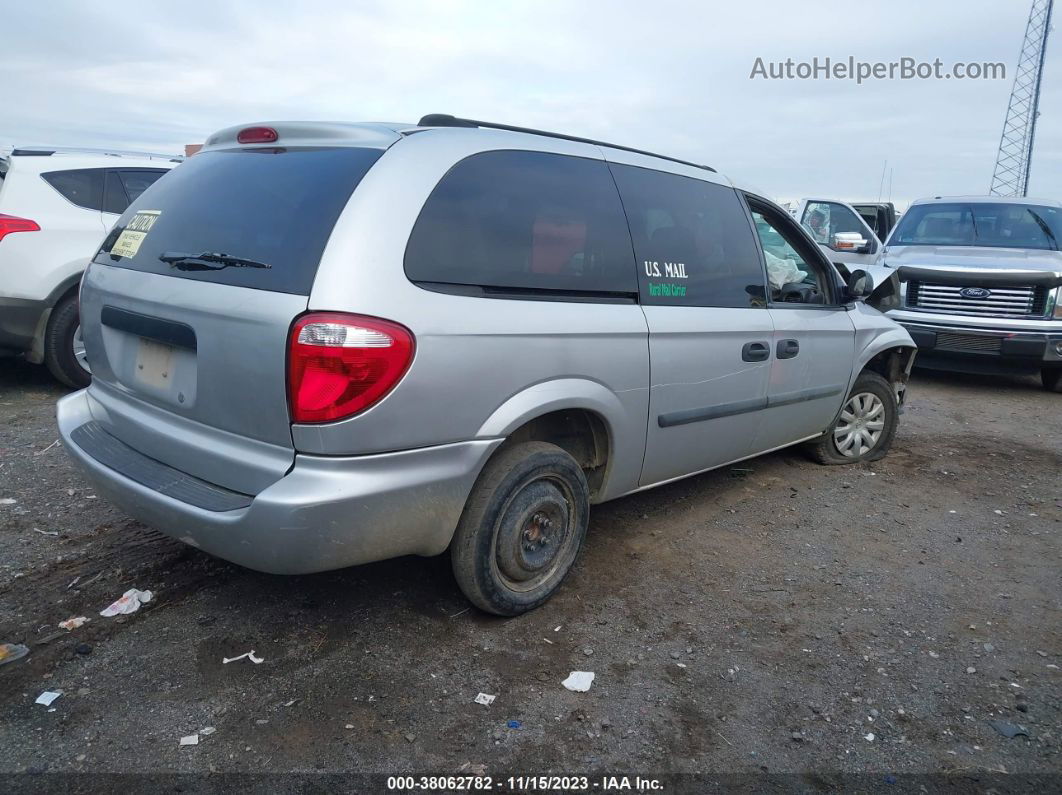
<point>1011,177</point>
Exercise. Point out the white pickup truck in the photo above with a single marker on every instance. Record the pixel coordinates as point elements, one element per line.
<point>839,230</point>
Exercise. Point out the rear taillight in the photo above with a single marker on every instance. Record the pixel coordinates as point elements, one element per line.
<point>256,135</point>
<point>9,224</point>
<point>341,364</point>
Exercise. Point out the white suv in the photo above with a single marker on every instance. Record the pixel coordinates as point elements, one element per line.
<point>56,205</point>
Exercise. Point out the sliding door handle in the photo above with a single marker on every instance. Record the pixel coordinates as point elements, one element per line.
<point>755,352</point>
<point>787,349</point>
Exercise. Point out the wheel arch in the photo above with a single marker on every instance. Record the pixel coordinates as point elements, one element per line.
<point>581,416</point>
<point>60,292</point>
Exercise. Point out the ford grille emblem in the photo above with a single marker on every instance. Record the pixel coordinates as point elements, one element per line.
<point>975,292</point>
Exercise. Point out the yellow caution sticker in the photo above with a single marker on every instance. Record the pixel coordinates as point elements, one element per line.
<point>128,242</point>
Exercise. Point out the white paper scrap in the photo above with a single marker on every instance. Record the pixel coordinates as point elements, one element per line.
<point>47,697</point>
<point>579,681</point>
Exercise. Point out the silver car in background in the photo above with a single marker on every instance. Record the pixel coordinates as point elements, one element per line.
<point>318,345</point>
<point>981,281</point>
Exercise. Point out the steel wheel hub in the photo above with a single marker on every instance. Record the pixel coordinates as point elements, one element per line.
<point>861,425</point>
<point>532,531</point>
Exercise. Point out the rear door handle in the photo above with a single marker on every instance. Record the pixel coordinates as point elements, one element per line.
<point>755,352</point>
<point>787,349</point>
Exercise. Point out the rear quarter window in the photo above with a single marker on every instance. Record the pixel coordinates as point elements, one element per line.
<point>525,222</point>
<point>81,186</point>
<point>275,206</point>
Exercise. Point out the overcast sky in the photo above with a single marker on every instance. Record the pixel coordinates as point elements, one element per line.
<point>667,76</point>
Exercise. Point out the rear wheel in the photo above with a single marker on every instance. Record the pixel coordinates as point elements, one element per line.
<point>866,426</point>
<point>522,528</point>
<point>1052,378</point>
<point>64,348</point>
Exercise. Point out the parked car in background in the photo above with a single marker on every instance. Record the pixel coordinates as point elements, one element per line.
<point>318,345</point>
<point>56,205</point>
<point>982,276</point>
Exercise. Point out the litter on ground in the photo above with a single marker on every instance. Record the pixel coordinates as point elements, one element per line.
<point>248,654</point>
<point>579,681</point>
<point>1008,729</point>
<point>485,699</point>
<point>129,602</point>
<point>9,652</point>
<point>47,697</point>
<point>73,622</point>
<point>191,739</point>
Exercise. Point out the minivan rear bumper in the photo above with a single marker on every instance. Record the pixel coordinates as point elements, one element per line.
<point>325,513</point>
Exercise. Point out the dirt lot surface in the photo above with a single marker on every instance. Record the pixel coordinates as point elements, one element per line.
<point>782,617</point>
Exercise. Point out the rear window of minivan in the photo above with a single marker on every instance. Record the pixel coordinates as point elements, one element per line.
<point>272,206</point>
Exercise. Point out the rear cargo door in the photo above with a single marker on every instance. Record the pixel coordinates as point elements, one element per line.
<point>186,308</point>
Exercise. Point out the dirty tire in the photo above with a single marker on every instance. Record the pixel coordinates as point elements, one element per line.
<point>522,528</point>
<point>59,345</point>
<point>1052,378</point>
<point>871,390</point>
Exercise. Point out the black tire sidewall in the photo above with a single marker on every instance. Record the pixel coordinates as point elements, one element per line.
<point>473,547</point>
<point>1051,377</point>
<point>876,385</point>
<point>59,345</point>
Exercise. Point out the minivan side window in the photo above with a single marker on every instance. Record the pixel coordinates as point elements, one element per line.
<point>546,225</point>
<point>693,240</point>
<point>80,186</point>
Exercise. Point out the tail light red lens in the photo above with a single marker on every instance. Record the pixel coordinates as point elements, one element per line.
<point>10,223</point>
<point>339,364</point>
<point>256,135</point>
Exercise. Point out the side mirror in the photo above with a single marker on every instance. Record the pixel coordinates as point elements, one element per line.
<point>860,284</point>
<point>850,241</point>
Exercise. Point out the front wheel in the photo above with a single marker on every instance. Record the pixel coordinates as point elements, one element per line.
<point>865,427</point>
<point>1052,378</point>
<point>522,528</point>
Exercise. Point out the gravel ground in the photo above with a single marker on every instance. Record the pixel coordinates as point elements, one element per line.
<point>781,618</point>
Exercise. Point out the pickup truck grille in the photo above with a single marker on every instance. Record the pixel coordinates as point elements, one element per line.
<point>1009,301</point>
<point>971,343</point>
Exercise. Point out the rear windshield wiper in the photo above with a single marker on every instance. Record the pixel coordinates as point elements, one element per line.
<point>208,261</point>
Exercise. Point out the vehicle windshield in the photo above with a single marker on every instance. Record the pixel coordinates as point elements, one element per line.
<point>1002,225</point>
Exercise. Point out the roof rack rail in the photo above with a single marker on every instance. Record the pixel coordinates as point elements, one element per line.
<point>446,120</point>
<point>47,151</point>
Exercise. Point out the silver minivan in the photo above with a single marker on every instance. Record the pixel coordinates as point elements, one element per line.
<point>317,345</point>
